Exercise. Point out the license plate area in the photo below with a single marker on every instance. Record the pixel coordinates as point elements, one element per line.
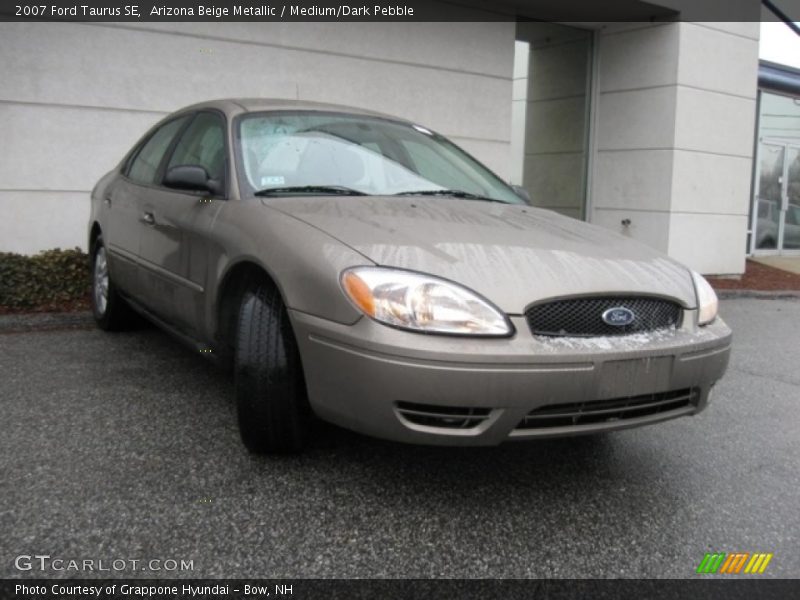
<point>636,376</point>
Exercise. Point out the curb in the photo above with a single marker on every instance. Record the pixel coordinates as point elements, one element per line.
<point>761,294</point>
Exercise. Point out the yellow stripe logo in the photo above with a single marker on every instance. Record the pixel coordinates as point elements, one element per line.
<point>734,563</point>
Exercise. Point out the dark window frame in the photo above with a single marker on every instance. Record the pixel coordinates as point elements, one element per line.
<point>158,184</point>
<point>137,150</point>
<point>162,168</point>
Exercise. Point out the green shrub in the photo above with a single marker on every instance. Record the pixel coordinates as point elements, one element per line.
<point>53,279</point>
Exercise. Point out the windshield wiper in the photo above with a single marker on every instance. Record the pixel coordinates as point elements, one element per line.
<point>453,193</point>
<point>338,190</point>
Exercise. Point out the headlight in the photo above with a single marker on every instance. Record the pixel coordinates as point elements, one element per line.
<point>707,302</point>
<point>422,302</point>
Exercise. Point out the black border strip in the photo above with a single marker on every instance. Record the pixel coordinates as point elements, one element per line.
<point>395,10</point>
<point>704,586</point>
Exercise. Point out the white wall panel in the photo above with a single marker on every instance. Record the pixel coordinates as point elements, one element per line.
<point>76,96</point>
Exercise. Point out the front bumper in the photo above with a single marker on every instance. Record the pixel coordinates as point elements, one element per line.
<point>376,379</point>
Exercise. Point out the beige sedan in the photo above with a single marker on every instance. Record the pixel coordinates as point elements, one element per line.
<point>364,269</point>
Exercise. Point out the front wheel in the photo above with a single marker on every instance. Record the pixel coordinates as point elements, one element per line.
<point>271,398</point>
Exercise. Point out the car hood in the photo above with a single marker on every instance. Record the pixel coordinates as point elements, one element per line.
<point>512,255</point>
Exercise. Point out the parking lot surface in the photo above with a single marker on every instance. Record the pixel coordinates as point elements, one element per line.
<point>125,446</point>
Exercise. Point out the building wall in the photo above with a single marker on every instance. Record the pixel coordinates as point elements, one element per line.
<point>674,137</point>
<point>673,117</point>
<point>519,110</point>
<point>76,96</point>
<point>549,116</point>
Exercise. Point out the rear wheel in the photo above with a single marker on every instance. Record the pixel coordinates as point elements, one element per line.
<point>271,398</point>
<point>109,309</point>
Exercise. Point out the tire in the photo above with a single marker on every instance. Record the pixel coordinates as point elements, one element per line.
<point>110,311</point>
<point>271,400</point>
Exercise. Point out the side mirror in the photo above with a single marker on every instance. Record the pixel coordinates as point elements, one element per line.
<point>522,193</point>
<point>191,177</point>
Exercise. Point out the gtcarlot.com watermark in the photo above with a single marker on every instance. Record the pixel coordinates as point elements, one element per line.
<point>45,563</point>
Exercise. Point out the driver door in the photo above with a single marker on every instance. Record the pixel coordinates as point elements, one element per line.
<point>174,246</point>
<point>123,226</point>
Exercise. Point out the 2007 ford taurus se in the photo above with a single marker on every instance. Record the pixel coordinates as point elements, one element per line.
<point>366,270</point>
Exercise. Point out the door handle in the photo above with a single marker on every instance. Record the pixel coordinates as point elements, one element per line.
<point>149,218</point>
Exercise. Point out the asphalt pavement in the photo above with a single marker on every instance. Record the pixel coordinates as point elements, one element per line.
<point>125,447</point>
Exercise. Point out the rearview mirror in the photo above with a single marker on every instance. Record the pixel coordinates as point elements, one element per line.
<point>191,177</point>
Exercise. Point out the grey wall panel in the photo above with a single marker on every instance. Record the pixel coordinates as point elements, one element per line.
<point>76,96</point>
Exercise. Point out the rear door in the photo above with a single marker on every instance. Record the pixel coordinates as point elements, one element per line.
<point>175,242</point>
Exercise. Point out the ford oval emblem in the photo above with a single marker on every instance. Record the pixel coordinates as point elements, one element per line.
<point>619,316</point>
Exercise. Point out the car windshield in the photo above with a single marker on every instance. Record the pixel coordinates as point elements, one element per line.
<point>283,154</point>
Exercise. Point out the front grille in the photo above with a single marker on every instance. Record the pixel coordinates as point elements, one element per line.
<point>603,411</point>
<point>583,317</point>
<point>445,417</point>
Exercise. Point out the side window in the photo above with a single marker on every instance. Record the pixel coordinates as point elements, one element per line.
<point>144,167</point>
<point>203,144</point>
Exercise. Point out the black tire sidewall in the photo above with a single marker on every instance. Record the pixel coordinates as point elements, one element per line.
<point>271,398</point>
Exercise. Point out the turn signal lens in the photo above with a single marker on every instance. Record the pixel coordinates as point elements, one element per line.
<point>359,292</point>
<point>707,303</point>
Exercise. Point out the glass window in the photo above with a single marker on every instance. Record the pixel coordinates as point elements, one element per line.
<point>144,167</point>
<point>202,144</point>
<point>436,167</point>
<point>764,209</point>
<point>777,198</point>
<point>793,215</point>
<point>371,155</point>
<point>779,118</point>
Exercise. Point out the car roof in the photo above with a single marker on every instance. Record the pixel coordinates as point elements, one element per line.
<point>232,106</point>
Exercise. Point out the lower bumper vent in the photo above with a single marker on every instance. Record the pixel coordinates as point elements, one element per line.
<point>601,411</point>
<point>443,417</point>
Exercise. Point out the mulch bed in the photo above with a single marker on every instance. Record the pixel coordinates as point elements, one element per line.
<point>77,305</point>
<point>758,277</point>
